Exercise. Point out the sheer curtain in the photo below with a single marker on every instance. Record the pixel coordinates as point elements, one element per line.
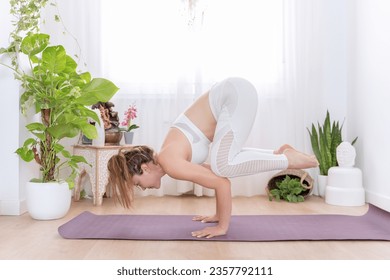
<point>164,54</point>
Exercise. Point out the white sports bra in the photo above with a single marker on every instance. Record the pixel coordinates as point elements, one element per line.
<point>199,142</point>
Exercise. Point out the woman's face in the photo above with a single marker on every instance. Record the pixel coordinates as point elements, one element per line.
<point>151,177</point>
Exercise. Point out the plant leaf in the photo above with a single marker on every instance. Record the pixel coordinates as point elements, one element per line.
<point>327,130</point>
<point>34,44</point>
<point>98,90</point>
<point>54,59</point>
<point>63,130</point>
<point>336,140</point>
<point>78,159</point>
<point>324,153</point>
<point>25,153</point>
<point>89,130</point>
<point>36,127</point>
<point>70,65</point>
<point>86,77</point>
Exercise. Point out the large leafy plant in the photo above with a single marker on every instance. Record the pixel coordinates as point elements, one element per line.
<point>324,141</point>
<point>55,89</point>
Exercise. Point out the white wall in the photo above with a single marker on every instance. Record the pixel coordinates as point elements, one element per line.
<point>369,96</point>
<point>334,42</point>
<point>9,183</point>
<point>13,172</point>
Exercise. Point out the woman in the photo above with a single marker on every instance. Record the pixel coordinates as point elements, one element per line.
<point>218,122</point>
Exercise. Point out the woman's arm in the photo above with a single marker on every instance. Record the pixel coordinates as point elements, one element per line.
<point>183,170</point>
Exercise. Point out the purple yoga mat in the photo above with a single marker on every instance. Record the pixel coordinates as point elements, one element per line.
<point>374,225</point>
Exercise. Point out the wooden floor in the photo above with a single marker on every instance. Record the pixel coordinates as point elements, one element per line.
<point>21,237</point>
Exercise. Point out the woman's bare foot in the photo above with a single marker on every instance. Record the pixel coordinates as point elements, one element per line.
<point>282,149</point>
<point>298,160</point>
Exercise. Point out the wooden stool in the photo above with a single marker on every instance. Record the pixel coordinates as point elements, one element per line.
<point>98,157</point>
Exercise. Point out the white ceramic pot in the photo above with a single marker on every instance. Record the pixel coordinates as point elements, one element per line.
<point>345,187</point>
<point>48,201</point>
<point>322,182</point>
<point>129,137</point>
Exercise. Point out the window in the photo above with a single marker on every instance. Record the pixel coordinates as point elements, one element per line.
<point>151,41</point>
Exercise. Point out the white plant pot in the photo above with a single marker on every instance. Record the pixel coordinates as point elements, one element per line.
<point>48,201</point>
<point>322,182</point>
<point>345,187</point>
<point>129,137</point>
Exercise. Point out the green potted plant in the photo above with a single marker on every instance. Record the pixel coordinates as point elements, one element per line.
<point>291,185</point>
<point>54,89</point>
<point>324,141</point>
<point>289,189</point>
<point>60,95</point>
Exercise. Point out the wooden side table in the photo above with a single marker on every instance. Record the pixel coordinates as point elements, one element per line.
<point>98,157</point>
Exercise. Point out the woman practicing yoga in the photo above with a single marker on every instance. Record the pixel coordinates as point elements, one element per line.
<point>218,122</point>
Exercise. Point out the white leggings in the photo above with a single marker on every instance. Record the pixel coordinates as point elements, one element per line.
<point>234,104</point>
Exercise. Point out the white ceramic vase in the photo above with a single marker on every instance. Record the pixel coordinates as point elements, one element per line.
<point>48,201</point>
<point>345,187</point>
<point>322,181</point>
<point>129,137</point>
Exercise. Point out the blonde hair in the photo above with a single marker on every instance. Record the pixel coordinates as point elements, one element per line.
<point>121,169</point>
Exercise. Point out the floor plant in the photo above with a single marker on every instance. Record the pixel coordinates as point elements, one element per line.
<point>55,90</point>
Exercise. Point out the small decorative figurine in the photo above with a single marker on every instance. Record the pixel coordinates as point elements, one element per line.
<point>346,154</point>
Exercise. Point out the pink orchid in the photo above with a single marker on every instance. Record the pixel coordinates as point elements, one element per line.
<point>130,114</point>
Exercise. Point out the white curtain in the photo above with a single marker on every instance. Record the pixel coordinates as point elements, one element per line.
<point>164,54</point>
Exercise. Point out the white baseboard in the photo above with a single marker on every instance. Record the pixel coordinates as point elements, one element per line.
<point>13,207</point>
<point>378,200</point>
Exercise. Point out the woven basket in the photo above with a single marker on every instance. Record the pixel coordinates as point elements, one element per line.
<point>306,180</point>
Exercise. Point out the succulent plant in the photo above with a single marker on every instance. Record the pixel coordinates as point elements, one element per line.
<point>325,141</point>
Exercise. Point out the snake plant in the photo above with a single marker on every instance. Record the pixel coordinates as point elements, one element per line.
<point>325,141</point>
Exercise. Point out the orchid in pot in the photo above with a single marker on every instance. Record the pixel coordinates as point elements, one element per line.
<point>127,125</point>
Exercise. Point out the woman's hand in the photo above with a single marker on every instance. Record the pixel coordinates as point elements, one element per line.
<point>209,232</point>
<point>206,219</point>
<point>181,169</point>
